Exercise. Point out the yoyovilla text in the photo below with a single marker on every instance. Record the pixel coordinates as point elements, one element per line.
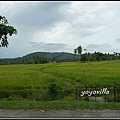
<point>89,93</point>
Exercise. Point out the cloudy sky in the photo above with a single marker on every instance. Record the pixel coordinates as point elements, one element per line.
<point>61,26</point>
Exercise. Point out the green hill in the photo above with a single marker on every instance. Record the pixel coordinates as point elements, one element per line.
<point>57,56</point>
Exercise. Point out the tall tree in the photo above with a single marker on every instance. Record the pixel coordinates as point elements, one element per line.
<point>5,30</point>
<point>79,51</point>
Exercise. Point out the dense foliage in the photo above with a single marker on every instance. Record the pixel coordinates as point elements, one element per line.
<point>5,30</point>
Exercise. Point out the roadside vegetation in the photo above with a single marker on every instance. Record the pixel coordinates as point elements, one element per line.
<point>57,105</point>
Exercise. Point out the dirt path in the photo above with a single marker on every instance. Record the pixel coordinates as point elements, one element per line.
<point>59,113</point>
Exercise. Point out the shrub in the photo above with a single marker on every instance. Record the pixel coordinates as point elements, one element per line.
<point>52,90</point>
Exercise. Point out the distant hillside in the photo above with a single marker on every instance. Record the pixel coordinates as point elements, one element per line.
<point>57,56</point>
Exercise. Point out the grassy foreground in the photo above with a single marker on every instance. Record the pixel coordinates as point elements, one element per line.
<point>26,86</point>
<point>58,105</point>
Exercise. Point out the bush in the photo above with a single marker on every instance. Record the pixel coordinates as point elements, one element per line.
<point>52,90</point>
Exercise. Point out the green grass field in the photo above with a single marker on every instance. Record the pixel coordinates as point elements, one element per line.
<point>66,75</point>
<point>30,82</point>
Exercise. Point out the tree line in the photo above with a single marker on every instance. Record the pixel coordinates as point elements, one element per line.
<point>96,56</point>
<point>37,60</point>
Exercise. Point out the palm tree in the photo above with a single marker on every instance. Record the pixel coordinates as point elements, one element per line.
<point>78,50</point>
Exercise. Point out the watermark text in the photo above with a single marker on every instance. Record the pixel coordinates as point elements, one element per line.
<point>89,93</point>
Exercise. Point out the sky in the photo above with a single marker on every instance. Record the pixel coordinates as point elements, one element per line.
<point>61,26</point>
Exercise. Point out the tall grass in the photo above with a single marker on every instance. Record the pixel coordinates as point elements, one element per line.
<point>68,75</point>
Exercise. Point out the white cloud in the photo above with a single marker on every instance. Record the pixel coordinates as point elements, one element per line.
<point>62,23</point>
